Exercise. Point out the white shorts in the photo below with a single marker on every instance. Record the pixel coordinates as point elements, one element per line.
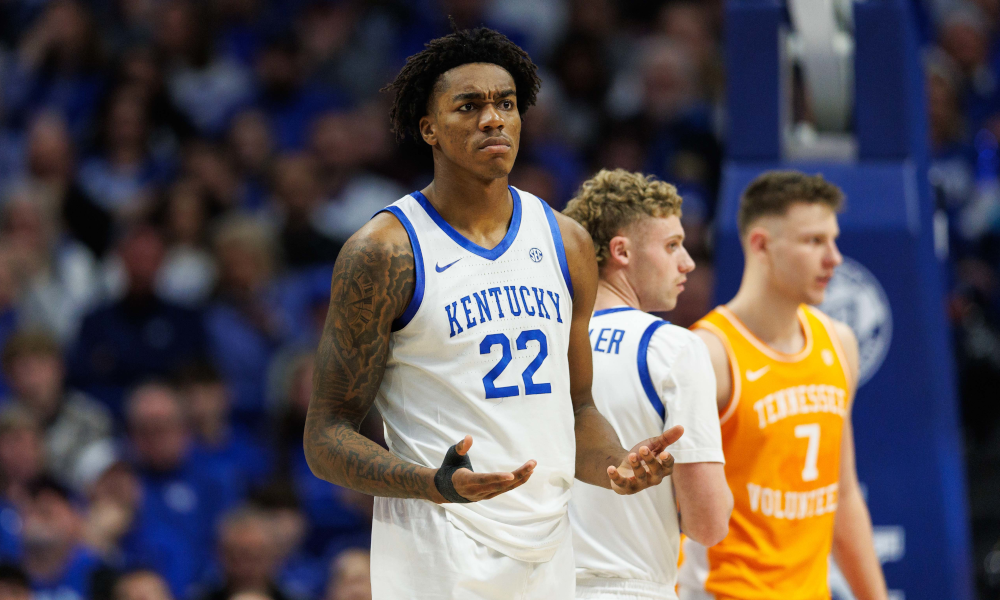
<point>418,554</point>
<point>611,588</point>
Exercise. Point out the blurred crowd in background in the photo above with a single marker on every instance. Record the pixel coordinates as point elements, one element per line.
<point>177,178</point>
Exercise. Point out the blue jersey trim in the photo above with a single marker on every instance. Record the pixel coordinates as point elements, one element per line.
<point>647,382</point>
<point>558,241</point>
<point>608,311</point>
<point>461,240</point>
<point>418,262</point>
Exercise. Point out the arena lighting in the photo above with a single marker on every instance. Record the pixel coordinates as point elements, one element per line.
<point>821,45</point>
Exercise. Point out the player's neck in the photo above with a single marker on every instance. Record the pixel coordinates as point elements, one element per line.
<point>480,210</point>
<point>771,316</point>
<point>614,291</point>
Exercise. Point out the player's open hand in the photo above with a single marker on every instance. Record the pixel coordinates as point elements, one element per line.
<point>483,486</point>
<point>646,464</point>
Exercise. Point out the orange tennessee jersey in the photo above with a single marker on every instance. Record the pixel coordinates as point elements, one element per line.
<point>781,435</point>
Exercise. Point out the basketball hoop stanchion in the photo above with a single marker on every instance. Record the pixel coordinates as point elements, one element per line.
<point>890,290</point>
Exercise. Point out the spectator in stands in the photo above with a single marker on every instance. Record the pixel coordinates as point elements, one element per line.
<point>50,153</point>
<point>247,556</point>
<point>125,533</point>
<point>348,47</point>
<point>531,175</point>
<point>139,336</point>
<point>14,583</point>
<point>20,463</point>
<point>9,294</point>
<point>689,23</point>
<point>965,35</point>
<point>580,63</point>
<point>58,67</point>
<point>544,143</point>
<point>349,147</point>
<point>207,88</point>
<point>301,574</point>
<point>252,147</point>
<point>22,455</point>
<point>952,170</point>
<point>122,174</point>
<point>51,162</point>
<point>351,576</point>
<point>59,275</point>
<point>285,95</point>
<point>188,273</point>
<point>141,584</point>
<point>209,166</point>
<point>142,68</point>
<point>59,565</point>
<point>681,145</point>
<point>11,149</point>
<point>207,403</point>
<point>70,421</point>
<point>245,322</point>
<point>179,491</point>
<point>299,195</point>
<point>338,518</point>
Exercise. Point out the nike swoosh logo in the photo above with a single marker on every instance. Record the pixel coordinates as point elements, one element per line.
<point>755,375</point>
<point>444,268</point>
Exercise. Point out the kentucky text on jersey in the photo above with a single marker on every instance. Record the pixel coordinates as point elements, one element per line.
<point>800,400</point>
<point>532,301</point>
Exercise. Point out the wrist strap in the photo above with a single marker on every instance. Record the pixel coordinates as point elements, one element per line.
<point>453,461</point>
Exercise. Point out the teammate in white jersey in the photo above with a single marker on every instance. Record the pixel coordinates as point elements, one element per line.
<point>463,309</point>
<point>648,377</point>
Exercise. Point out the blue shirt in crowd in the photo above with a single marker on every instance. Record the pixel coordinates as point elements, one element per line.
<point>122,344</point>
<point>189,500</point>
<point>153,544</point>
<point>75,580</point>
<point>242,352</point>
<point>243,459</point>
<point>333,522</point>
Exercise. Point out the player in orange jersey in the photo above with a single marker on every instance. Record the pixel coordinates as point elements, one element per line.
<point>786,377</point>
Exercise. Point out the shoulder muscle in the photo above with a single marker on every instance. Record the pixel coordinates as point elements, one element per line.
<point>373,281</point>
<point>379,258</point>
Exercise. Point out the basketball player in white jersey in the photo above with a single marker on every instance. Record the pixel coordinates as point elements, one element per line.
<point>461,311</point>
<point>648,377</point>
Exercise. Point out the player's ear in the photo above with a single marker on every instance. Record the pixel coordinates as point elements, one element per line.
<point>428,130</point>
<point>757,240</point>
<point>619,250</point>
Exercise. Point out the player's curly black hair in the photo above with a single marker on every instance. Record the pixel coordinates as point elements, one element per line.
<point>414,85</point>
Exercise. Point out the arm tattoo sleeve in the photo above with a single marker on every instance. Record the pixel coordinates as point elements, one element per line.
<point>372,284</point>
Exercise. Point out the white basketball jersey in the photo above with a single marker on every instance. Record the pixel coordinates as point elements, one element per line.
<point>648,376</point>
<point>482,350</point>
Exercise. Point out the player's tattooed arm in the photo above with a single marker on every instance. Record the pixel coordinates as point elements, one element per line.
<point>600,458</point>
<point>373,282</point>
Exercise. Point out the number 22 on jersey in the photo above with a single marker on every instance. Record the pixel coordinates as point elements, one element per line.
<point>530,386</point>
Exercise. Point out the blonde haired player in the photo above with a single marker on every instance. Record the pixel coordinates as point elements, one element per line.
<point>786,378</point>
<point>648,377</point>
